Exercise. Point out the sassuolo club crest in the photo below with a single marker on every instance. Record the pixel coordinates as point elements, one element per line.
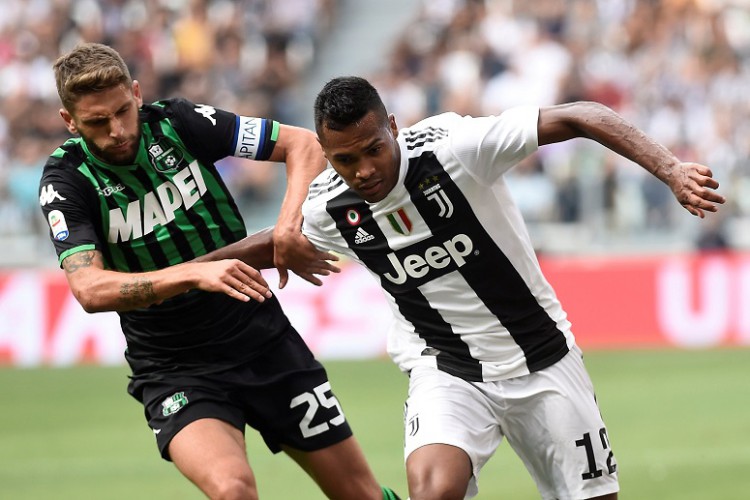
<point>165,156</point>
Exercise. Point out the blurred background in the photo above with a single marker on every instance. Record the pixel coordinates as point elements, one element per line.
<point>679,69</point>
<point>659,299</point>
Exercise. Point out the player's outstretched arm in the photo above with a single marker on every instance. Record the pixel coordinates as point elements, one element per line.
<point>257,250</point>
<point>300,150</point>
<point>98,289</point>
<point>692,184</point>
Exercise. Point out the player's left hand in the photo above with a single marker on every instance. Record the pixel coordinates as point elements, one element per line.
<point>293,251</point>
<point>695,188</point>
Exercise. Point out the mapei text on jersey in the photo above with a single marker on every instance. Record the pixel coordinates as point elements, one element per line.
<point>157,207</point>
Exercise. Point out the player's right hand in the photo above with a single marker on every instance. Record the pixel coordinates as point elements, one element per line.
<point>695,188</point>
<point>232,277</point>
<point>294,252</point>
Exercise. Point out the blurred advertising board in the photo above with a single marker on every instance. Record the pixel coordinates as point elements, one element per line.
<point>684,301</point>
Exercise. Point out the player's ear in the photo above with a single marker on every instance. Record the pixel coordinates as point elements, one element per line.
<point>69,122</point>
<point>137,93</point>
<point>392,125</point>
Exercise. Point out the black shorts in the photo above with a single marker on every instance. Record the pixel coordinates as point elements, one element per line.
<point>283,392</point>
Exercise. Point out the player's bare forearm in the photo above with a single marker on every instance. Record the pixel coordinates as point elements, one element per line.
<point>300,150</point>
<point>255,250</point>
<point>304,160</point>
<point>692,184</point>
<point>98,289</point>
<point>602,124</point>
<point>138,292</point>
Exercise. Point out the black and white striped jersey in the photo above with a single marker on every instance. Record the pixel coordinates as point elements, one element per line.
<point>450,249</point>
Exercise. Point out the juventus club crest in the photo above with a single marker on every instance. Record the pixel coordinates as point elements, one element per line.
<point>434,192</point>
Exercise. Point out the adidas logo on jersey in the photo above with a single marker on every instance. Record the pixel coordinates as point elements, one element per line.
<point>362,236</point>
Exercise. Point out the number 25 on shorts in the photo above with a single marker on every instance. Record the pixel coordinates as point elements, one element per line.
<point>321,396</point>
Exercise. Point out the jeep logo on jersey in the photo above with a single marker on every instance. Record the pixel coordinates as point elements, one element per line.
<point>157,207</point>
<point>165,156</point>
<point>447,257</point>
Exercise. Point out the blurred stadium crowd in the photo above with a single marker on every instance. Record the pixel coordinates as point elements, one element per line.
<point>239,55</point>
<point>679,69</point>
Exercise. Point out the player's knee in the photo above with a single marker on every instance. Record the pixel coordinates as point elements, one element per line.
<point>434,487</point>
<point>236,486</point>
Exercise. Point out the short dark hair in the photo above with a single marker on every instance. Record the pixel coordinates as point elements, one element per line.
<point>344,101</point>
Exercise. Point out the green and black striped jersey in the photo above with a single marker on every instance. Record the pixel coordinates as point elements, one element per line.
<point>169,207</point>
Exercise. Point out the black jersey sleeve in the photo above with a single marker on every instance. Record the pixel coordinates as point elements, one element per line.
<point>212,133</point>
<point>69,207</point>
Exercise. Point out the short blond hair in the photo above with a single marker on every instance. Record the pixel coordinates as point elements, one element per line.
<point>89,68</point>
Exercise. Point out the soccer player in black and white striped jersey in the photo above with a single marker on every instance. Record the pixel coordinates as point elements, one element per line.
<point>488,348</point>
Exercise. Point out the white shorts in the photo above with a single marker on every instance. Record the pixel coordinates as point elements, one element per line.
<point>550,418</point>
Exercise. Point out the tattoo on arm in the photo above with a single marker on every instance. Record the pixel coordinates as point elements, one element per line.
<point>138,291</point>
<point>78,261</point>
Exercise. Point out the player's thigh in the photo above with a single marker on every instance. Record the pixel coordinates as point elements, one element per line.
<point>330,465</point>
<point>291,401</point>
<point>554,424</point>
<point>444,410</point>
<point>211,453</point>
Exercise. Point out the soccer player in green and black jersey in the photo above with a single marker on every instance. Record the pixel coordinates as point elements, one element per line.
<point>135,205</point>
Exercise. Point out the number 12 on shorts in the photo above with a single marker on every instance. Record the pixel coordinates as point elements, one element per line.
<point>321,396</point>
<point>586,443</point>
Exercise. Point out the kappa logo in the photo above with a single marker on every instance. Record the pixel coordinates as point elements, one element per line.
<point>173,404</point>
<point>207,112</point>
<point>48,195</point>
<point>362,236</point>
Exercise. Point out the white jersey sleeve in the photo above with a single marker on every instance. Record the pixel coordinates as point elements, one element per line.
<point>317,225</point>
<point>490,145</point>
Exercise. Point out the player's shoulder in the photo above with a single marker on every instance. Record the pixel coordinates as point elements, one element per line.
<point>66,159</point>
<point>442,122</point>
<point>327,185</point>
<point>176,107</point>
